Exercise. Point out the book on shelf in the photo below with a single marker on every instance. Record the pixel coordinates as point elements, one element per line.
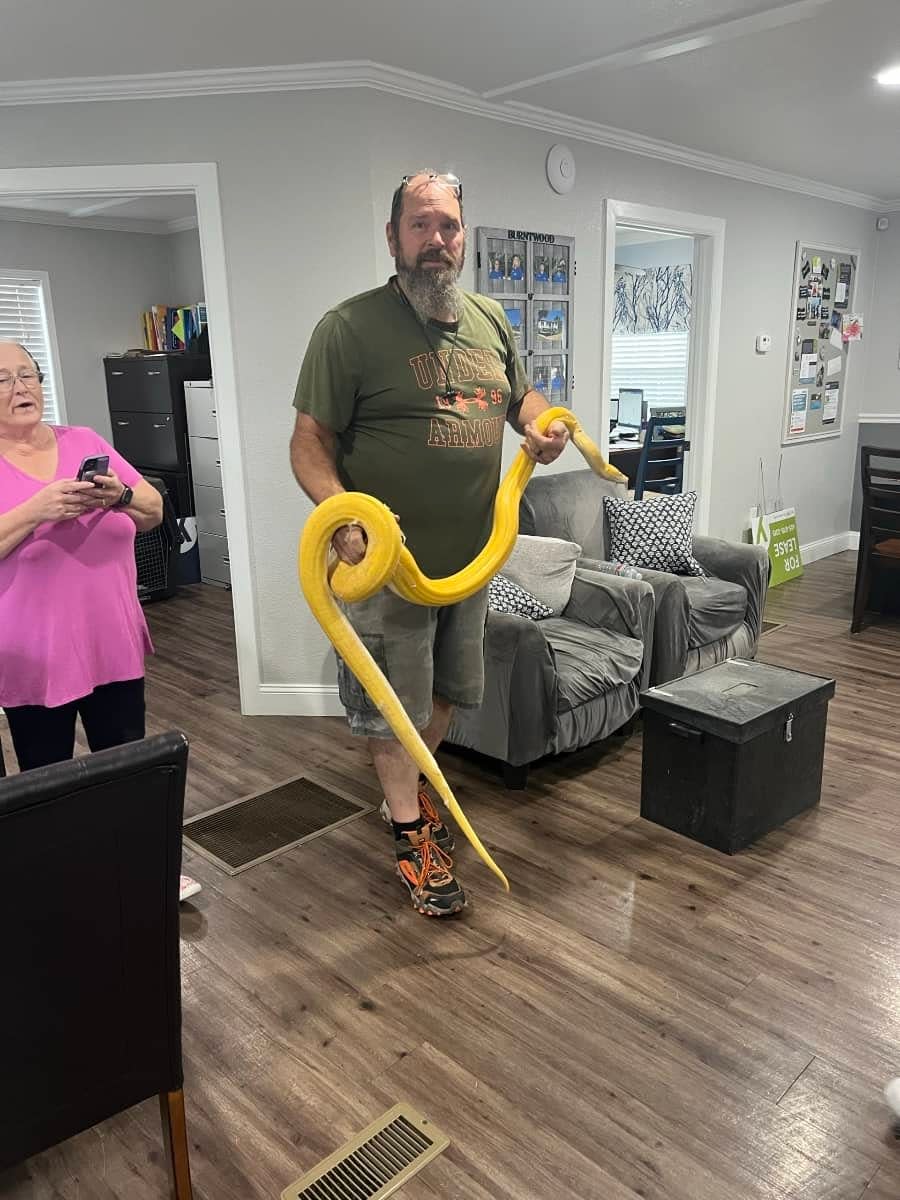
<point>173,327</point>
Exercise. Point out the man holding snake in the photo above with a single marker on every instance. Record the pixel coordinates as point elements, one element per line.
<point>403,394</point>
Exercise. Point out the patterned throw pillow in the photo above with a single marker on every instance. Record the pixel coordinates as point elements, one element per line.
<point>655,533</point>
<point>504,596</point>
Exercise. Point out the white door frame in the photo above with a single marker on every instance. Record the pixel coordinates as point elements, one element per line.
<point>709,256</point>
<point>202,181</point>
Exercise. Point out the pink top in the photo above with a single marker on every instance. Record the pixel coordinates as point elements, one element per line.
<point>70,619</point>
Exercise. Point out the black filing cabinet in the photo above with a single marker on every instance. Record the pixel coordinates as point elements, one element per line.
<point>147,413</point>
<point>733,751</point>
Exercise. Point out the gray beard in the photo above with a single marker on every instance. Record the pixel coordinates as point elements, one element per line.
<point>433,295</point>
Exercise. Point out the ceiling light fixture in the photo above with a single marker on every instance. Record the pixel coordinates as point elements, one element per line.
<point>889,78</point>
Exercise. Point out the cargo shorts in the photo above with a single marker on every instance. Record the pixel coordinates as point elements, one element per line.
<point>421,651</point>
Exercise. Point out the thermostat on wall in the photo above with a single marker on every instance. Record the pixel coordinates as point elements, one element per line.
<point>561,168</point>
<point>763,343</point>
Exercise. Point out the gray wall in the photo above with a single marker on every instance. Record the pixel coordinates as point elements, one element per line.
<point>871,434</point>
<point>763,226</point>
<point>187,268</point>
<point>882,327</point>
<point>100,283</point>
<point>299,240</point>
<point>672,252</point>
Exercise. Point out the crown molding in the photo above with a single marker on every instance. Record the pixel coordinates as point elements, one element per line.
<point>685,156</point>
<point>410,85</point>
<point>225,81</point>
<point>31,216</point>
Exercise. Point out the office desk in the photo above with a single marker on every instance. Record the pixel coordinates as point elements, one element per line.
<point>625,456</point>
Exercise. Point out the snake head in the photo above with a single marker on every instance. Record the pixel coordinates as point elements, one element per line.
<point>588,448</point>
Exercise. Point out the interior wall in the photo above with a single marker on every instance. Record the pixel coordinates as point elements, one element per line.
<point>305,240</point>
<point>100,283</point>
<point>882,327</point>
<point>187,268</point>
<point>672,252</point>
<point>763,226</point>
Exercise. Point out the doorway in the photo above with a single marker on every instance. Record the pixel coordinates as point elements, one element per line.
<point>661,303</point>
<point>109,190</point>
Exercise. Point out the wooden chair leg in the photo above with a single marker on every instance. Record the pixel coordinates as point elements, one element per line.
<point>174,1129</point>
<point>861,594</point>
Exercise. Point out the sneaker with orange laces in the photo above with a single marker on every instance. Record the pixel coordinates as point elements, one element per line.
<point>426,870</point>
<point>441,835</point>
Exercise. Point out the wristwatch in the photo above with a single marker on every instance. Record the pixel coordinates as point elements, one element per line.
<point>125,499</point>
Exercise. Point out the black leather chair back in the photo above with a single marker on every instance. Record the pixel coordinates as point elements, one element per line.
<point>90,1005</point>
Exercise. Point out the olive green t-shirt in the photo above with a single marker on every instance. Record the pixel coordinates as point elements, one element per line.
<point>428,447</point>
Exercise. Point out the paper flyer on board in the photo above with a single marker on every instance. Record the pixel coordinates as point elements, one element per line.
<point>852,327</point>
<point>832,396</point>
<point>799,399</point>
<point>808,364</point>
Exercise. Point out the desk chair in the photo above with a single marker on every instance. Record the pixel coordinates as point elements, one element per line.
<point>661,466</point>
<point>879,534</point>
<point>90,858</point>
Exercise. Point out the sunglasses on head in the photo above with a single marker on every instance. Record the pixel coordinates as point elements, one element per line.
<point>451,181</point>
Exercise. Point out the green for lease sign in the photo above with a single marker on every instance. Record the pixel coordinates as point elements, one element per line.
<point>778,532</point>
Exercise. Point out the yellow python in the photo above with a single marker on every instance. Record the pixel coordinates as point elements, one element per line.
<point>389,563</point>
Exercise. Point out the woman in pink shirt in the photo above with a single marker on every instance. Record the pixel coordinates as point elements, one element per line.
<point>72,633</point>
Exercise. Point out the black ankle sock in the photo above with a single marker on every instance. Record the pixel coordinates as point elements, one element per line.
<point>401,827</point>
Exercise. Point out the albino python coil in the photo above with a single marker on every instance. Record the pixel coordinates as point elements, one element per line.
<point>388,563</point>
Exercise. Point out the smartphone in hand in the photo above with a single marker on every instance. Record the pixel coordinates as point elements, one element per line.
<point>94,464</point>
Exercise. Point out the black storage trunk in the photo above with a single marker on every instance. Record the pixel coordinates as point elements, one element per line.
<point>734,751</point>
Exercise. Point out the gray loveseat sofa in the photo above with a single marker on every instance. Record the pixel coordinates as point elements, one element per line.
<point>699,621</point>
<point>563,682</point>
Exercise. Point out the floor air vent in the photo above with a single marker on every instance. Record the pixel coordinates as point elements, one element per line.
<point>245,832</point>
<point>375,1163</point>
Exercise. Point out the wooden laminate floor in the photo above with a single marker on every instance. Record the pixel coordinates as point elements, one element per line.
<point>642,1017</point>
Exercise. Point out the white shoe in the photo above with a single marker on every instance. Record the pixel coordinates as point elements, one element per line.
<point>892,1095</point>
<point>188,887</point>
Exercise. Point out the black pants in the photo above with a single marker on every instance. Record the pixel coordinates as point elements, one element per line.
<point>111,714</point>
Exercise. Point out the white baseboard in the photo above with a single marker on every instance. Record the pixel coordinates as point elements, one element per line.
<point>825,547</point>
<point>295,700</point>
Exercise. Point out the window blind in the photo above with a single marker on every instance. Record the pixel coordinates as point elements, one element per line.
<point>23,318</point>
<point>656,362</point>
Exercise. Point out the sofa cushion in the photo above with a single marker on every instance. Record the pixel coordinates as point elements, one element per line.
<point>589,661</point>
<point>655,533</point>
<point>568,504</point>
<point>717,609</point>
<point>504,596</point>
<point>545,567</point>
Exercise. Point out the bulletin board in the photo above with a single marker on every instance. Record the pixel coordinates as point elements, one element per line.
<point>530,274</point>
<point>824,325</point>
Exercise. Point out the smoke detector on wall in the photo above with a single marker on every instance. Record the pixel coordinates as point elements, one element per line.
<point>561,168</point>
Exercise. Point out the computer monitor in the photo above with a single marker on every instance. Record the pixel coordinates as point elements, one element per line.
<point>631,406</point>
<point>614,410</point>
